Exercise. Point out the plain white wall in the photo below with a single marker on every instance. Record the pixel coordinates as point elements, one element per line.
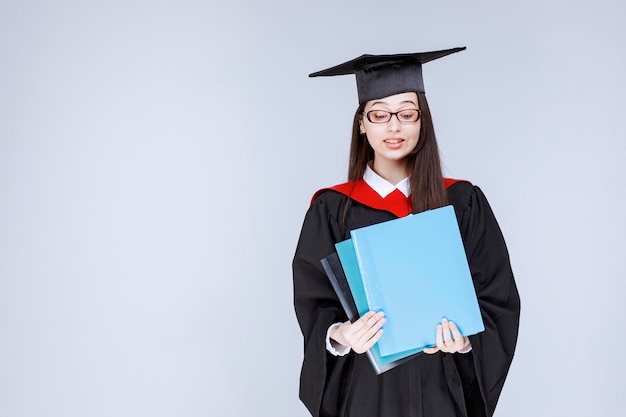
<point>157,159</point>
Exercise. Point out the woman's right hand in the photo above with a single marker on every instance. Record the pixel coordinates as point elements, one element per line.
<point>362,334</point>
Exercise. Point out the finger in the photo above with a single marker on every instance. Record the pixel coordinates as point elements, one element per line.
<point>375,318</point>
<point>365,344</point>
<point>365,317</point>
<point>459,341</point>
<point>466,342</point>
<point>447,337</point>
<point>369,318</point>
<point>371,341</point>
<point>439,337</point>
<point>352,332</point>
<point>360,328</point>
<point>431,350</point>
<point>456,335</point>
<point>361,323</point>
<point>368,333</point>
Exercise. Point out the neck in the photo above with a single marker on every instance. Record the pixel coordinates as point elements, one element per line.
<point>392,171</point>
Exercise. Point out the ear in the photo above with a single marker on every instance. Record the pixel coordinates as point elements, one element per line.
<point>361,126</point>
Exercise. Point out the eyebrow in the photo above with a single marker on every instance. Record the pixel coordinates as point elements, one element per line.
<point>401,103</point>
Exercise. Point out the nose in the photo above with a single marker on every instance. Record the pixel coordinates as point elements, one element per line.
<point>393,125</point>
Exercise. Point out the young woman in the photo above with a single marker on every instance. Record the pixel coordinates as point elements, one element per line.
<point>395,170</point>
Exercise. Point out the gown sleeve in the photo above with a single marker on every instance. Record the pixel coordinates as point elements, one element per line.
<point>497,293</point>
<point>317,307</point>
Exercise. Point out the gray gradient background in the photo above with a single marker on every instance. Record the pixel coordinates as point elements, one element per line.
<point>157,159</point>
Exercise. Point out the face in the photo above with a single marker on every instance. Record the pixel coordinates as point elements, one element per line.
<point>392,141</point>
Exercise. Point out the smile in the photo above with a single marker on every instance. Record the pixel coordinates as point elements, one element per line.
<point>393,141</point>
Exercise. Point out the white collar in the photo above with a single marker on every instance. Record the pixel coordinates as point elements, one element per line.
<point>384,187</point>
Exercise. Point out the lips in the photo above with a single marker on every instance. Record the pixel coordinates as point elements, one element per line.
<point>393,141</point>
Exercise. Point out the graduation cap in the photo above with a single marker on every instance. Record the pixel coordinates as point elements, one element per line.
<point>380,76</point>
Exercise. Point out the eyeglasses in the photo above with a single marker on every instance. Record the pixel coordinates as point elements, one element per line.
<point>403,116</point>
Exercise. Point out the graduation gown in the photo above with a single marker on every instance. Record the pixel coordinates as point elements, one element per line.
<point>437,385</point>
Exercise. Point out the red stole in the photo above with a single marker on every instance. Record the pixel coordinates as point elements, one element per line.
<point>360,191</point>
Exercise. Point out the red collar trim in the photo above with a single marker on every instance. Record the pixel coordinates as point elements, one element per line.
<point>447,182</point>
<point>396,202</point>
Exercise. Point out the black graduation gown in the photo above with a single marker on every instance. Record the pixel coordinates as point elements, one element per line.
<point>438,385</point>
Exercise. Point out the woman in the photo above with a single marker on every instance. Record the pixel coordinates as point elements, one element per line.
<point>395,170</point>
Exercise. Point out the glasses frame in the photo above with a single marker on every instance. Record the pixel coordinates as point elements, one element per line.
<point>391,114</point>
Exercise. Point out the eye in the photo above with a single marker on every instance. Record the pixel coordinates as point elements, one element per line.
<point>379,115</point>
<point>407,115</point>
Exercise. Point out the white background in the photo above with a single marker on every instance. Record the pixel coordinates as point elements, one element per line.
<point>157,159</point>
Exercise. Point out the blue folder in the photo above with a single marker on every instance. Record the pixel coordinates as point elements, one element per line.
<point>415,270</point>
<point>348,259</point>
<point>337,276</point>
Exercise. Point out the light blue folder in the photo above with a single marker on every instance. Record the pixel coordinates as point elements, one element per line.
<point>346,254</point>
<point>415,270</point>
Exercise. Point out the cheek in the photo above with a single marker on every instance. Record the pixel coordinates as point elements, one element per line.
<point>415,133</point>
<point>373,130</point>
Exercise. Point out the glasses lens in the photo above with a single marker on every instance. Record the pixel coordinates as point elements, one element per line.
<point>378,116</point>
<point>408,115</point>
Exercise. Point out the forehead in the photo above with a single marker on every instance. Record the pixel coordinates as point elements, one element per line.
<point>395,100</point>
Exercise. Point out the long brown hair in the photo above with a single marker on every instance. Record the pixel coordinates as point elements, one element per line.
<point>427,188</point>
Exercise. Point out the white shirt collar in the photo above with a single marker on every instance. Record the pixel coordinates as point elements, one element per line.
<point>384,187</point>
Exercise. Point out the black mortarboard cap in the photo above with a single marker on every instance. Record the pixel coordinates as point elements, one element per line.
<point>380,76</point>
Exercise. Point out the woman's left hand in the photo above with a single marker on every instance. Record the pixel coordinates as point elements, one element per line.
<point>449,338</point>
